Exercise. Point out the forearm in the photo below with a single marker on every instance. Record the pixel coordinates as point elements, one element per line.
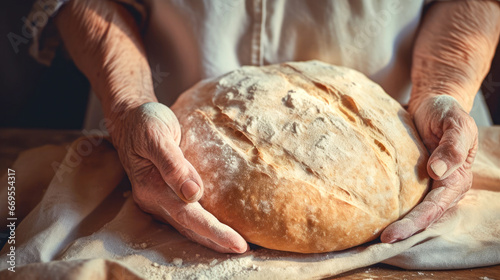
<point>104,41</point>
<point>453,50</point>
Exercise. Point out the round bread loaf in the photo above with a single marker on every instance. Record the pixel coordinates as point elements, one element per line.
<point>304,156</point>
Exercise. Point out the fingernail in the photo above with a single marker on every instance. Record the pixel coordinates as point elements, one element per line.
<point>439,167</point>
<point>392,240</point>
<point>190,190</point>
<point>237,250</point>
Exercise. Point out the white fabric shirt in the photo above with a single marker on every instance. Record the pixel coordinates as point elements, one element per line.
<point>209,38</point>
<point>188,41</point>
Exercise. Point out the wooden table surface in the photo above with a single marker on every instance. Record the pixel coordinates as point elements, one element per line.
<point>13,141</point>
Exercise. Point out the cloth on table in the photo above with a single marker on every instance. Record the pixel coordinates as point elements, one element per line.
<point>88,226</point>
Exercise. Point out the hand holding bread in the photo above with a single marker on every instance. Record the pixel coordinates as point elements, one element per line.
<point>450,134</point>
<point>164,183</point>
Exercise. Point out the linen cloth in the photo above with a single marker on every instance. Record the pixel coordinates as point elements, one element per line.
<point>87,226</point>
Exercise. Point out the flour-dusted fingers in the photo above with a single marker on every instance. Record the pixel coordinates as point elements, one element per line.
<point>457,148</point>
<point>444,195</point>
<point>458,144</point>
<point>193,236</point>
<point>176,171</point>
<point>197,223</point>
<point>154,196</point>
<point>160,136</point>
<point>202,227</point>
<point>450,134</point>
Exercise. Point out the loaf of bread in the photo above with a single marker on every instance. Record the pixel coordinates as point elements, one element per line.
<point>303,156</point>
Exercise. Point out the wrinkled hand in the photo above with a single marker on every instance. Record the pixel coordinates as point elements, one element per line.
<point>164,183</point>
<point>450,135</point>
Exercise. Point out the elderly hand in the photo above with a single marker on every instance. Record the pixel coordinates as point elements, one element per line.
<point>450,134</point>
<point>164,183</point>
<point>105,43</point>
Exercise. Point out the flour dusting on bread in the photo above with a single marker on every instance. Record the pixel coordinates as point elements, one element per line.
<point>302,156</point>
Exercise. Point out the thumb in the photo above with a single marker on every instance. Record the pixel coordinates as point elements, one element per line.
<point>451,153</point>
<point>176,171</point>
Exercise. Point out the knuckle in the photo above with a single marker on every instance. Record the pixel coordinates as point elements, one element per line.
<point>451,122</point>
<point>439,210</point>
<point>153,136</point>
<point>462,123</point>
<point>454,150</point>
<point>150,129</point>
<point>172,169</point>
<point>181,217</point>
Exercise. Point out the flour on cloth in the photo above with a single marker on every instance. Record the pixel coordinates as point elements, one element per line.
<point>87,226</point>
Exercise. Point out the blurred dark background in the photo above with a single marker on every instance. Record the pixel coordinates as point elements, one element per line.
<point>36,96</point>
<point>33,95</point>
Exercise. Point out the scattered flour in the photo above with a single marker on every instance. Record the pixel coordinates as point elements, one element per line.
<point>177,261</point>
<point>216,269</point>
